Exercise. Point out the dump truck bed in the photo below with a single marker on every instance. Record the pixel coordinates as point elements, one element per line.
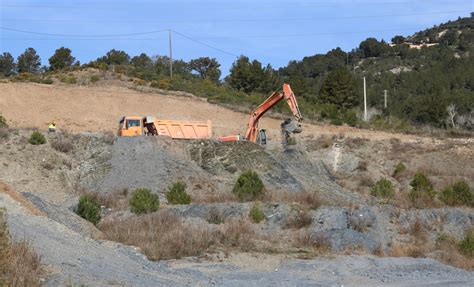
<point>180,129</point>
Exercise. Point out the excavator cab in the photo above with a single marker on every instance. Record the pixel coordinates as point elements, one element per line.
<point>130,126</point>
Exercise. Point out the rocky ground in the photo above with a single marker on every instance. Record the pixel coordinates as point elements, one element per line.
<point>41,187</point>
<point>322,226</point>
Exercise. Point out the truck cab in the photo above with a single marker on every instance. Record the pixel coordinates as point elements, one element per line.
<point>130,126</point>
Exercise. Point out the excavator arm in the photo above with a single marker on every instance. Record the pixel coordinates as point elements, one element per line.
<point>275,98</point>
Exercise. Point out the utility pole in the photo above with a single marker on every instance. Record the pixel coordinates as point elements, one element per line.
<point>385,98</point>
<point>365,102</point>
<point>171,54</point>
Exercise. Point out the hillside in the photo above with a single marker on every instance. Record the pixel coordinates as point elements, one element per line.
<point>99,107</point>
<point>458,32</point>
<point>426,86</point>
<point>319,202</point>
<point>387,202</point>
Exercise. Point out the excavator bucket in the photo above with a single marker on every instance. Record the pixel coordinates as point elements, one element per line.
<point>291,126</point>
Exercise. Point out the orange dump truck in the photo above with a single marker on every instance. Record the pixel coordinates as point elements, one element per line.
<point>130,126</point>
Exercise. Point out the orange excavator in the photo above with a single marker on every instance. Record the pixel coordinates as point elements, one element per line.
<point>289,126</point>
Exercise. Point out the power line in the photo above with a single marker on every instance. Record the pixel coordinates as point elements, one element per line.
<point>83,35</point>
<point>237,36</point>
<point>204,44</point>
<point>299,19</point>
<point>51,5</point>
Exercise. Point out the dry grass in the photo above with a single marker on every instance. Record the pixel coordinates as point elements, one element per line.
<point>366,181</point>
<point>306,199</point>
<point>418,230</point>
<point>161,235</point>
<point>322,142</point>
<point>355,143</point>
<point>417,247</point>
<point>407,250</point>
<point>19,264</point>
<point>308,247</point>
<point>62,145</point>
<point>212,197</point>
<point>298,220</point>
<point>164,235</point>
<point>116,199</point>
<point>363,165</point>
<point>445,250</point>
<point>448,252</point>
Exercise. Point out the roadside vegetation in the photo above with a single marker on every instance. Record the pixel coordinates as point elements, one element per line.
<point>19,264</point>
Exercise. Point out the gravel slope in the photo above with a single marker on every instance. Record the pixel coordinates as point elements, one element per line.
<point>75,259</point>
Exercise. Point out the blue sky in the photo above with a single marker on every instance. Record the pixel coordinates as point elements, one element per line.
<point>271,31</point>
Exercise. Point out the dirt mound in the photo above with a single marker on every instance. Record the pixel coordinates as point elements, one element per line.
<point>149,162</point>
<point>231,158</point>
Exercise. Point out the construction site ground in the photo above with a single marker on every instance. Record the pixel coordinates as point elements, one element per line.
<point>39,188</point>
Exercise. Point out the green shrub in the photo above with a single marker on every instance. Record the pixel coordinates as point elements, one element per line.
<point>422,192</point>
<point>67,80</point>
<point>458,193</point>
<point>248,186</point>
<point>466,246</point>
<point>176,194</point>
<point>336,122</point>
<point>256,213</point>
<point>3,122</point>
<point>350,118</point>
<point>47,81</point>
<point>163,84</point>
<point>399,169</point>
<point>89,209</point>
<point>143,201</point>
<point>383,188</point>
<point>329,111</point>
<point>37,138</point>
<point>291,141</point>
<point>94,79</point>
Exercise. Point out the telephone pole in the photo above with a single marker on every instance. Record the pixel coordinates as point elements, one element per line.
<point>365,102</point>
<point>171,54</point>
<point>385,98</point>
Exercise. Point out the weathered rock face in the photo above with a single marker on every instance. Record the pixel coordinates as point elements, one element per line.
<point>341,228</point>
<point>453,221</point>
<point>230,158</point>
<point>372,227</point>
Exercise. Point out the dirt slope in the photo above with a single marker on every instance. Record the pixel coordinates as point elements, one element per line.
<point>80,108</point>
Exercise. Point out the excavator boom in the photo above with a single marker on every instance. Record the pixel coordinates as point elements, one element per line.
<point>270,102</point>
<point>253,131</point>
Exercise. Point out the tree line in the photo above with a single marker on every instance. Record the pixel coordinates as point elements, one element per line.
<point>427,86</point>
